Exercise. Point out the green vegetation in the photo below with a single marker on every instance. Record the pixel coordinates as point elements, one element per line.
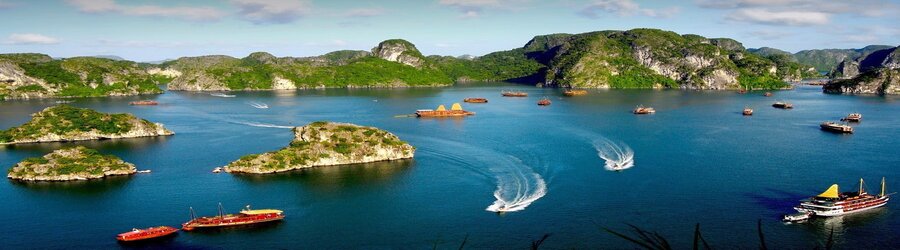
<point>64,119</point>
<point>83,76</point>
<point>70,161</point>
<point>497,66</point>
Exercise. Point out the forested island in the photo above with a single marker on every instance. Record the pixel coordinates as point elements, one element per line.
<point>69,164</point>
<point>67,123</point>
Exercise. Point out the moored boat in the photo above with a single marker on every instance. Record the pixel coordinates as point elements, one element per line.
<point>767,94</point>
<point>514,94</point>
<point>475,100</point>
<point>146,233</point>
<point>834,203</point>
<point>783,105</point>
<point>143,103</point>
<point>748,111</point>
<point>575,92</point>
<point>544,102</point>
<point>796,217</point>
<point>455,111</point>
<point>641,110</point>
<point>836,127</point>
<point>852,117</point>
<point>247,216</point>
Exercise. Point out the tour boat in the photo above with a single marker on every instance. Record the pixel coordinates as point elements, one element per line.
<point>834,203</point>
<point>221,95</point>
<point>641,110</point>
<point>146,234</point>
<point>852,117</point>
<point>783,105</point>
<point>476,100</point>
<point>247,216</point>
<point>514,94</point>
<point>575,92</point>
<point>748,111</point>
<point>143,103</point>
<point>544,102</point>
<point>836,127</point>
<point>796,217</point>
<point>455,111</point>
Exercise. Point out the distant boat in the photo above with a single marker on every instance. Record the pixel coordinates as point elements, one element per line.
<point>544,102</point>
<point>221,95</point>
<point>796,217</point>
<point>475,100</point>
<point>247,216</point>
<point>146,171</point>
<point>852,117</point>
<point>783,105</point>
<point>514,94</point>
<point>455,111</point>
<point>641,110</point>
<point>767,94</point>
<point>834,203</point>
<point>144,103</point>
<point>146,234</point>
<point>217,170</point>
<point>64,102</point>
<point>836,127</point>
<point>748,111</point>
<point>258,105</point>
<point>575,92</point>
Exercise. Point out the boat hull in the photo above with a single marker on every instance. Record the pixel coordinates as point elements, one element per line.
<point>147,234</point>
<point>216,222</point>
<point>879,202</point>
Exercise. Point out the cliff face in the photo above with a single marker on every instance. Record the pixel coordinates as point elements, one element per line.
<point>326,144</point>
<point>78,163</point>
<point>28,76</point>
<point>875,73</point>
<point>66,123</point>
<point>886,58</point>
<point>398,50</point>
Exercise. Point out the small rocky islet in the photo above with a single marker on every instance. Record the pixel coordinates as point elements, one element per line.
<point>67,123</point>
<point>70,164</point>
<point>326,144</point>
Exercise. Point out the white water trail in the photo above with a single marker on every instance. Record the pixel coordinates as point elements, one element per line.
<point>258,105</point>
<point>517,189</point>
<point>262,125</point>
<point>618,157</point>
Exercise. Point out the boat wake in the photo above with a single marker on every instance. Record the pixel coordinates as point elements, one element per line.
<point>618,157</point>
<point>222,95</point>
<point>517,187</point>
<point>262,125</point>
<point>258,105</point>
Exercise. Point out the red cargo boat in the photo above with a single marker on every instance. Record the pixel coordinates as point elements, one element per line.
<point>246,217</point>
<point>146,234</point>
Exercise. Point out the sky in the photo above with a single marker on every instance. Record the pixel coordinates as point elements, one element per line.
<point>142,30</point>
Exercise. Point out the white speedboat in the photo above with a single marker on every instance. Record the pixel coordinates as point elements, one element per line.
<point>221,95</point>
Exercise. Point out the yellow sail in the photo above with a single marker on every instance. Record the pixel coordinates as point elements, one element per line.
<point>441,108</point>
<point>832,192</point>
<point>456,106</point>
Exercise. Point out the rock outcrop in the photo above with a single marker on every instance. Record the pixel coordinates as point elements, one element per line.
<point>67,123</point>
<point>398,50</point>
<point>883,81</point>
<point>78,163</point>
<point>326,144</point>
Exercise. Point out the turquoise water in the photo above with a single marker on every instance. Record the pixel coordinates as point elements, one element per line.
<point>697,160</point>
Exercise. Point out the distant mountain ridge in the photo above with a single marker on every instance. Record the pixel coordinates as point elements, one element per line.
<point>825,60</point>
<point>877,72</point>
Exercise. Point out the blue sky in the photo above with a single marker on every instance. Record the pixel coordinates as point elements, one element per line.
<point>154,30</point>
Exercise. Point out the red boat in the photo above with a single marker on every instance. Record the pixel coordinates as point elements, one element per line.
<point>146,234</point>
<point>544,102</point>
<point>246,217</point>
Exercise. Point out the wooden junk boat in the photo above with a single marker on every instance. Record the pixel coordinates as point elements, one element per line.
<point>575,92</point>
<point>247,216</point>
<point>748,111</point>
<point>455,111</point>
<point>834,203</point>
<point>514,94</point>
<point>143,103</point>
<point>783,105</point>
<point>836,127</point>
<point>641,110</point>
<point>146,233</point>
<point>476,100</point>
<point>853,117</point>
<point>544,102</point>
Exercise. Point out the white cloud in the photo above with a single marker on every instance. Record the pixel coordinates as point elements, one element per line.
<point>624,8</point>
<point>266,11</point>
<point>30,39</point>
<point>769,17</point>
<point>770,34</point>
<point>474,8</point>
<point>183,12</point>
<point>364,12</point>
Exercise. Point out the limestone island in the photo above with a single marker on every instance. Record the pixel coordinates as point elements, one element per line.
<point>326,144</point>
<point>77,163</point>
<point>67,123</point>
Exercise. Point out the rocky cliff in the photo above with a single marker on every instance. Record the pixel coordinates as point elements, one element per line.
<point>326,144</point>
<point>399,50</point>
<point>885,58</point>
<point>29,76</point>
<point>876,73</point>
<point>67,123</point>
<point>78,163</point>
